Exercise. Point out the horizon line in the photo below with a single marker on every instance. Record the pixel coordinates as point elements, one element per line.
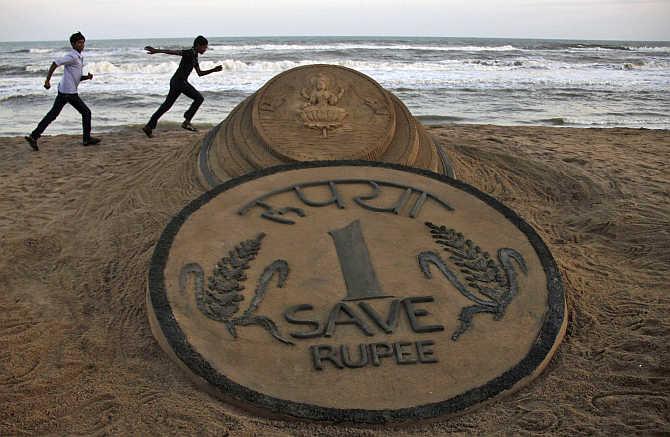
<point>347,36</point>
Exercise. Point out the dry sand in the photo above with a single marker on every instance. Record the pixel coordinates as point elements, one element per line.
<point>78,226</point>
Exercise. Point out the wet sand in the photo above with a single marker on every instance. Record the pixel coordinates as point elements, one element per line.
<point>78,226</point>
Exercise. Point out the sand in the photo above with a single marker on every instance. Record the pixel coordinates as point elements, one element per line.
<point>78,226</point>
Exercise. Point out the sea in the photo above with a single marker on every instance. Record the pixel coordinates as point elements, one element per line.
<point>441,80</point>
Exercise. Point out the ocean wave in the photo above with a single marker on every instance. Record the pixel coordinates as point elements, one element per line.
<point>437,119</point>
<point>150,99</point>
<point>620,122</point>
<point>171,67</point>
<point>103,67</point>
<point>35,68</point>
<point>555,121</point>
<point>577,46</point>
<point>234,65</point>
<point>512,63</point>
<point>33,50</point>
<point>109,67</point>
<point>622,119</point>
<point>404,46</point>
<point>571,46</point>
<point>637,114</point>
<point>665,49</point>
<point>340,47</point>
<point>23,99</point>
<point>597,47</point>
<point>13,70</point>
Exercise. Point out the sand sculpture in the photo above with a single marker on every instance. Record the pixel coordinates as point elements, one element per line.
<point>351,289</point>
<point>354,291</point>
<point>317,112</point>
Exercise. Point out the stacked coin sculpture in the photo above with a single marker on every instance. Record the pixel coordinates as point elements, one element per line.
<point>312,113</point>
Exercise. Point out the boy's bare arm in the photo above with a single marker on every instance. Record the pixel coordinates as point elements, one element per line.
<point>52,68</point>
<point>206,72</point>
<point>152,50</point>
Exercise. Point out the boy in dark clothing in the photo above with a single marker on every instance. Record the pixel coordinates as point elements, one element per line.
<point>67,92</point>
<point>179,83</point>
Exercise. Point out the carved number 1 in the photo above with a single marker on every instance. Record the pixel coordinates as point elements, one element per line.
<point>355,263</point>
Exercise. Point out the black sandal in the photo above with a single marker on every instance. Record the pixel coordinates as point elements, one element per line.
<point>188,126</point>
<point>33,142</point>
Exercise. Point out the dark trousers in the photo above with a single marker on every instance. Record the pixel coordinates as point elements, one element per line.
<point>61,101</point>
<point>178,87</point>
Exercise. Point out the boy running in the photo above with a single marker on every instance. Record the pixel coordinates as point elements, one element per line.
<point>179,83</point>
<point>67,92</point>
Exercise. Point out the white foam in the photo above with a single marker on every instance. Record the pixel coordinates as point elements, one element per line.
<point>329,47</point>
<point>35,68</point>
<point>651,49</point>
<point>103,67</point>
<point>504,73</point>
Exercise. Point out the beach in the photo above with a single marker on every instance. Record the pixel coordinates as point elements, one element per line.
<point>78,227</point>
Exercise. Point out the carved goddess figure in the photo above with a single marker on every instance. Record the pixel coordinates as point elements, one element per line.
<point>320,94</point>
<point>320,110</point>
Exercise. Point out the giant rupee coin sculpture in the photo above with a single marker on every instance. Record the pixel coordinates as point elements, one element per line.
<point>354,291</point>
<point>317,112</point>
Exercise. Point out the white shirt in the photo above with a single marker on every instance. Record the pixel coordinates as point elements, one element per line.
<point>73,70</point>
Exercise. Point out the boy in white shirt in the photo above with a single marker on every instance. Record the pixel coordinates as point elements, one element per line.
<point>73,63</point>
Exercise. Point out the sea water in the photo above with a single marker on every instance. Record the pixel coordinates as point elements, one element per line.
<point>441,80</point>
